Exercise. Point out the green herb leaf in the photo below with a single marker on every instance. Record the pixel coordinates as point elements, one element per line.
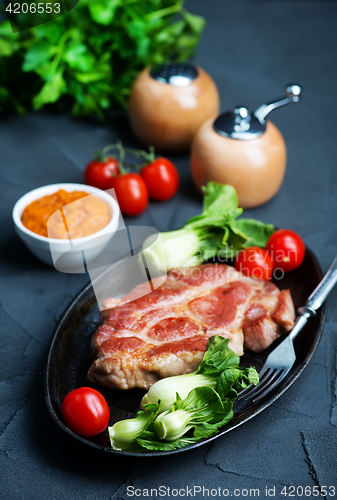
<point>196,23</point>
<point>50,91</point>
<point>37,54</point>
<point>6,30</point>
<point>100,42</point>
<point>103,11</point>
<point>6,48</point>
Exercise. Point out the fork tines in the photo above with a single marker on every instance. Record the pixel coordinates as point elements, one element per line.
<point>269,379</point>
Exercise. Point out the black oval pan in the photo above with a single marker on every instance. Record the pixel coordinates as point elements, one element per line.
<point>69,357</point>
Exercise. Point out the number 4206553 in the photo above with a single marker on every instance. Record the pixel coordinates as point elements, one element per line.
<point>32,8</point>
<point>309,491</point>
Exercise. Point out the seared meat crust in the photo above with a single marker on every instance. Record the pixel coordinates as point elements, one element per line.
<point>165,332</point>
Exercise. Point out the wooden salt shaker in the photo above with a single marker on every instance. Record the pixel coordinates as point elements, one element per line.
<point>168,103</point>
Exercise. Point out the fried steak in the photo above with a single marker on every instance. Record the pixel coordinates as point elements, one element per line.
<point>165,332</point>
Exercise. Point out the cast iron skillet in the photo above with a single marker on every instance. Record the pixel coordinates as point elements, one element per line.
<point>69,357</point>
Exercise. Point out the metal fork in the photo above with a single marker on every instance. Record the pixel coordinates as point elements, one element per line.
<point>280,361</point>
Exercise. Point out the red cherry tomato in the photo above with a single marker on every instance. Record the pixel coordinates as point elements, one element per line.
<point>85,411</point>
<point>254,262</point>
<point>99,173</point>
<point>161,178</point>
<point>286,249</point>
<point>132,194</point>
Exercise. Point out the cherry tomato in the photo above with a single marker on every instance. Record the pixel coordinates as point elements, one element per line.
<point>85,411</point>
<point>286,249</point>
<point>132,194</point>
<point>161,178</point>
<point>254,262</point>
<point>99,173</point>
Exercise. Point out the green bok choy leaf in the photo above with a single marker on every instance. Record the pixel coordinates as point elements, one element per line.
<point>219,369</point>
<point>215,233</point>
<point>202,410</point>
<point>182,410</point>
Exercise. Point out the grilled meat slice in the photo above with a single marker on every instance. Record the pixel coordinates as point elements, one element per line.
<point>165,332</point>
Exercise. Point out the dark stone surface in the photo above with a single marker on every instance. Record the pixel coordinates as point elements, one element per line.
<point>251,49</point>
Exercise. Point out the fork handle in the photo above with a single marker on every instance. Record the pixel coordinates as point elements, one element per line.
<point>323,289</point>
<point>300,322</point>
<point>316,299</point>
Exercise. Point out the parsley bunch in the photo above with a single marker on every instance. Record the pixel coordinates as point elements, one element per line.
<point>88,58</point>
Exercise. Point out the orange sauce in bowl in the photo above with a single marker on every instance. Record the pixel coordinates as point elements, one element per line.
<point>80,214</point>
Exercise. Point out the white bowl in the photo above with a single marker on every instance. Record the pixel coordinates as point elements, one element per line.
<point>66,256</point>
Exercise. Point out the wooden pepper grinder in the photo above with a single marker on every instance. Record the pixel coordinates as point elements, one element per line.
<point>168,103</point>
<point>244,150</point>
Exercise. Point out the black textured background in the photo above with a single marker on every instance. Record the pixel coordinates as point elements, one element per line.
<point>251,49</point>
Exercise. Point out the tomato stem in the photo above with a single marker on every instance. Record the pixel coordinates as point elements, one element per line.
<point>121,158</point>
<point>149,157</point>
<point>102,155</point>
